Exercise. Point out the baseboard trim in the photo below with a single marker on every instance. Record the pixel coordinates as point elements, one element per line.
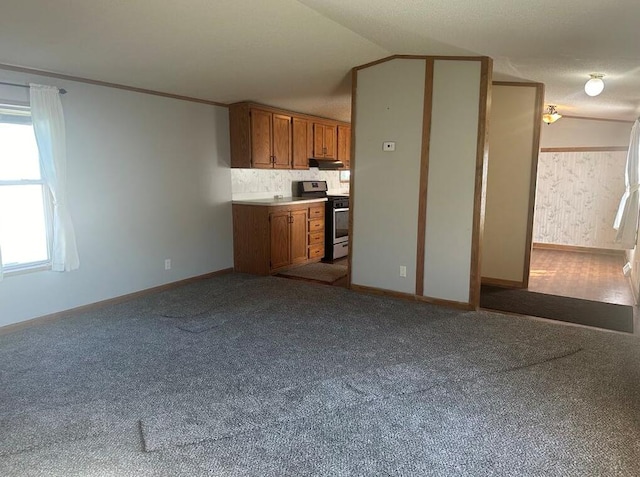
<point>498,282</point>
<point>110,301</point>
<point>448,303</point>
<point>382,291</point>
<point>412,297</point>
<point>575,248</point>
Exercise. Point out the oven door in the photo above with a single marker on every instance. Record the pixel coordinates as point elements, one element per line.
<point>340,225</point>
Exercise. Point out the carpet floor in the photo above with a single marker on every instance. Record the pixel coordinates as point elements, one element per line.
<point>262,376</point>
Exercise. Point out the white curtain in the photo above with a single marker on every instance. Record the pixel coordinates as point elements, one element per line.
<point>48,125</point>
<point>626,222</point>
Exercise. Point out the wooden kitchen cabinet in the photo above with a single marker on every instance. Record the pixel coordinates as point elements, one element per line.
<point>316,232</point>
<point>279,233</point>
<point>260,138</point>
<point>302,142</point>
<point>299,230</point>
<point>288,232</point>
<point>344,145</point>
<point>324,140</point>
<point>270,138</point>
<point>269,239</point>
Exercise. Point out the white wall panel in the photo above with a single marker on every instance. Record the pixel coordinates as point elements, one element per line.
<point>574,132</point>
<point>451,184</point>
<point>389,107</point>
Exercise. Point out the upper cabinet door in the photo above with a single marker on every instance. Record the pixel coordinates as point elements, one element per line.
<point>329,141</point>
<point>261,134</point>
<point>281,141</point>
<point>324,140</point>
<point>302,147</point>
<point>344,146</point>
<point>318,140</point>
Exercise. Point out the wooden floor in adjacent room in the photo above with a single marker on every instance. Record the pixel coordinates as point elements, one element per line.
<point>591,276</point>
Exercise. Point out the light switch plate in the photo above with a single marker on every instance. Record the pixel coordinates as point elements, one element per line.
<point>389,146</point>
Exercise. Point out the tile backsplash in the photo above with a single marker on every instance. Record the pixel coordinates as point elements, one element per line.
<point>265,183</point>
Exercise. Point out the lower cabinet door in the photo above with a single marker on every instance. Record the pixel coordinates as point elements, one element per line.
<point>298,236</point>
<point>280,240</point>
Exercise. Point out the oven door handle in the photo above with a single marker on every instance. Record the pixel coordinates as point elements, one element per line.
<point>341,210</point>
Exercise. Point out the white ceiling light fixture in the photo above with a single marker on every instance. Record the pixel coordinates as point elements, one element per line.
<point>595,85</point>
<point>551,115</point>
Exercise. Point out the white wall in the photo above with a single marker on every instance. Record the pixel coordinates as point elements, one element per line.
<point>148,179</point>
<point>389,107</point>
<point>452,174</point>
<point>573,132</point>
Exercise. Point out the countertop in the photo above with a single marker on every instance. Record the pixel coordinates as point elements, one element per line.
<point>284,201</point>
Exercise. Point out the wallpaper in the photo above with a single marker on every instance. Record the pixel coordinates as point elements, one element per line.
<point>265,183</point>
<point>577,198</point>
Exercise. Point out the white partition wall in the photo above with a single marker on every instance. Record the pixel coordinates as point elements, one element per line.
<point>516,116</point>
<point>451,185</point>
<point>390,100</point>
<point>419,208</point>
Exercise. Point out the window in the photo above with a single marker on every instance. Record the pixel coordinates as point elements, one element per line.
<point>24,198</point>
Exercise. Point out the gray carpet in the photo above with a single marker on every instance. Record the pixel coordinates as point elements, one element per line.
<point>261,376</point>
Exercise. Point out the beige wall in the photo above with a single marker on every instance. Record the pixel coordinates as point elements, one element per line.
<point>513,139</point>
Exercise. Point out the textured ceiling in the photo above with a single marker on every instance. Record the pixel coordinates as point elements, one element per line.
<point>298,54</point>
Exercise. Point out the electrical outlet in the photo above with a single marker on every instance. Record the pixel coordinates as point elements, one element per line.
<point>403,271</point>
<point>167,264</point>
<point>389,146</point>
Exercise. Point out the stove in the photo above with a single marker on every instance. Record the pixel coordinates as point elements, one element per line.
<point>336,229</point>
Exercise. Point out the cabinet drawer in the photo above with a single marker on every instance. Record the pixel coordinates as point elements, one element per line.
<point>316,225</point>
<point>316,212</point>
<point>316,237</point>
<point>316,251</point>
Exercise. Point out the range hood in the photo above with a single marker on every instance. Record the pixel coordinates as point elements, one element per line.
<point>325,164</point>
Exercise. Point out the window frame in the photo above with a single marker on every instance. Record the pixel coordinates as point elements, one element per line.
<point>20,113</point>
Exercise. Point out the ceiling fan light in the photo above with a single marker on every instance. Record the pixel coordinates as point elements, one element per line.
<point>594,86</point>
<point>551,115</point>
